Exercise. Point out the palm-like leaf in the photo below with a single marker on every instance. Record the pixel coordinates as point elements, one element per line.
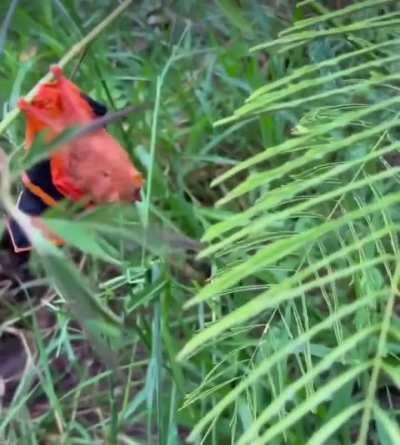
<point>319,237</point>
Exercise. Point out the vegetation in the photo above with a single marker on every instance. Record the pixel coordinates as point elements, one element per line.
<point>268,133</point>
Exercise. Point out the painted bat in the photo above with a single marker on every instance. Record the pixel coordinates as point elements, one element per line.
<point>92,168</point>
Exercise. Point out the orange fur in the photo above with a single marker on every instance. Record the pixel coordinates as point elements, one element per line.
<point>93,167</point>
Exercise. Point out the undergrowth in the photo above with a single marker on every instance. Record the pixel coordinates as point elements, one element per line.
<point>252,295</point>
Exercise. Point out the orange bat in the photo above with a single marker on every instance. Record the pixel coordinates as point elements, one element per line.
<point>93,168</point>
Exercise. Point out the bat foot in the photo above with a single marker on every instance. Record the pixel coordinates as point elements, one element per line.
<point>57,72</point>
<point>24,105</point>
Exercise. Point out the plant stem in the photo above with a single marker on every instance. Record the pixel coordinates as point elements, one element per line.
<point>75,50</point>
<point>378,360</point>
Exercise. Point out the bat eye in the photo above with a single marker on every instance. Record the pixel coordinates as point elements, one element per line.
<point>105,174</point>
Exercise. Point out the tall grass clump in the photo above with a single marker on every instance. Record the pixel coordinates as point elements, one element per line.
<point>302,333</point>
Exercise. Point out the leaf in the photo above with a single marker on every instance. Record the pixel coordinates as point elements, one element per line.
<point>319,396</point>
<point>103,327</point>
<point>329,429</point>
<point>390,426</point>
<point>83,237</point>
<point>269,362</point>
<point>234,14</point>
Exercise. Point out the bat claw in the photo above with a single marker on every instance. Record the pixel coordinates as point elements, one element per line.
<point>56,71</point>
<point>23,104</point>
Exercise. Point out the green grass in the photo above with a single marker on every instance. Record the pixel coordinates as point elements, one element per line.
<point>182,72</point>
<point>266,133</point>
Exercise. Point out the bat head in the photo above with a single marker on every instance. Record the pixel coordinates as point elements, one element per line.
<point>102,169</point>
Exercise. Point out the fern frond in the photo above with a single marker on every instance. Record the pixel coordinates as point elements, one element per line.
<point>314,241</point>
